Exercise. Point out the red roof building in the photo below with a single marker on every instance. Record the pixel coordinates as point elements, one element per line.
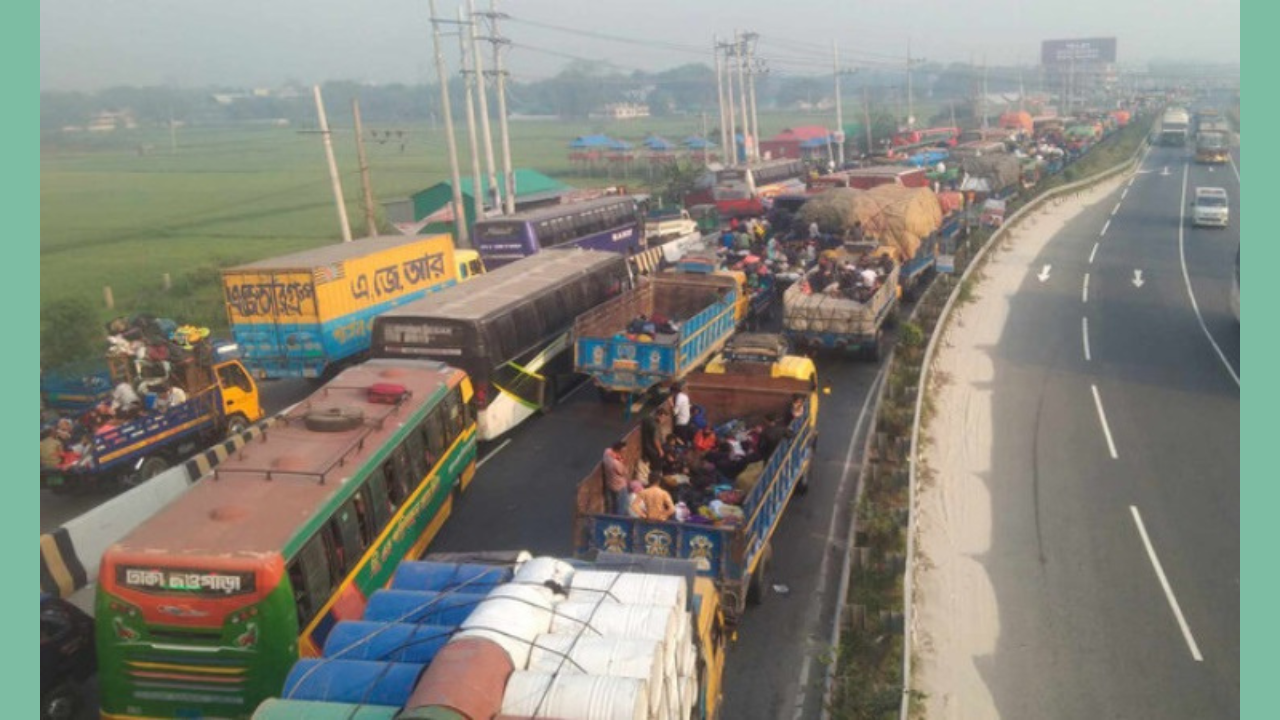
<point>798,143</point>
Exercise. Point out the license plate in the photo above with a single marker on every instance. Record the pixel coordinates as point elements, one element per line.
<point>625,365</point>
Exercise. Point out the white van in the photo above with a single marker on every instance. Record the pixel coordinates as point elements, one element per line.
<point>1210,207</point>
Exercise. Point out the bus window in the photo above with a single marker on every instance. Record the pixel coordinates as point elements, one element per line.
<point>416,448</point>
<point>468,408</point>
<point>313,574</point>
<point>346,530</point>
<point>397,492</point>
<point>453,420</point>
<point>376,492</point>
<point>433,432</point>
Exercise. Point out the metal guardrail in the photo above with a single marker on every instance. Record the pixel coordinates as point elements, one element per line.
<point>1033,205</point>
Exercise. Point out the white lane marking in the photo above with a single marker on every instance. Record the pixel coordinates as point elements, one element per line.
<point>1106,429</point>
<point>480,463</point>
<point>1044,274</point>
<point>1234,168</point>
<point>1093,252</point>
<point>1084,329</point>
<point>1124,193</point>
<point>574,391</point>
<point>1115,209</point>
<point>1084,295</point>
<point>1105,225</point>
<point>1164,583</point>
<point>802,695</point>
<point>1135,177</point>
<point>1186,277</point>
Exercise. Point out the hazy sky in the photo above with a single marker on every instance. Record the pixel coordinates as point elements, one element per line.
<point>90,44</point>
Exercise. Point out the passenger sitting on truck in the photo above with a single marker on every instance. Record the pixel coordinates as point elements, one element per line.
<point>50,449</point>
<point>869,277</point>
<point>653,504</point>
<point>169,396</point>
<point>125,400</point>
<point>618,495</point>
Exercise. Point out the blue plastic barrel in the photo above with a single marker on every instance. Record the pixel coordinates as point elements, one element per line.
<point>276,709</point>
<point>352,681</point>
<point>429,608</point>
<point>391,642</point>
<point>438,576</point>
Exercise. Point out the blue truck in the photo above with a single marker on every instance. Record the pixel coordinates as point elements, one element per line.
<point>735,556</point>
<point>705,309</point>
<point>222,400</point>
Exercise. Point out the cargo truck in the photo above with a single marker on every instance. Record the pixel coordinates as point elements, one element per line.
<point>1212,147</point>
<point>704,308</point>
<point>222,400</point>
<point>308,313</point>
<point>817,321</point>
<point>499,634</point>
<point>1174,126</point>
<point>735,556</point>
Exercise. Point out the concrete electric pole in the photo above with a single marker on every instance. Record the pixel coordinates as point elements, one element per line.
<point>333,167</point>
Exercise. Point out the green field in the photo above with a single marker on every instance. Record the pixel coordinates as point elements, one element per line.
<point>114,215</point>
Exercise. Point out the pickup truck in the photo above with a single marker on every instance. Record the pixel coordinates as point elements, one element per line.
<point>817,321</point>
<point>736,557</point>
<point>661,225</point>
<point>222,400</point>
<point>705,308</point>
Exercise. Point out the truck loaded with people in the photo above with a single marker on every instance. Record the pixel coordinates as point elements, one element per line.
<point>709,478</point>
<point>174,392</point>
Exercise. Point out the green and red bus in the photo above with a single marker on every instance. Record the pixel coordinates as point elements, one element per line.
<point>204,607</point>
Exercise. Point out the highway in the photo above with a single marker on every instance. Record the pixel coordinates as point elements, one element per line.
<point>523,497</point>
<point>1115,477</point>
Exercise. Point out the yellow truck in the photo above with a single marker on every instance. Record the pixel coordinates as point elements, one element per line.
<point>306,313</point>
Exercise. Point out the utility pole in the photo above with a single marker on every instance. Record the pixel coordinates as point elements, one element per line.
<point>477,182</point>
<point>751,87</point>
<point>984,92</point>
<point>704,137</point>
<point>459,211</point>
<point>731,109</point>
<point>747,140</point>
<point>489,164</point>
<point>866,119</point>
<point>911,108</point>
<point>370,218</point>
<point>509,178</point>
<point>835,62</point>
<point>333,167</point>
<point>725,141</point>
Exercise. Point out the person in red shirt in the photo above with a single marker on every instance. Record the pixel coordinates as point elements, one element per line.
<point>618,495</point>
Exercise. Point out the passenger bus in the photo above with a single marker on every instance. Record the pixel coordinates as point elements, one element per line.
<point>610,223</point>
<point>202,609</point>
<point>509,329</point>
<point>745,190</point>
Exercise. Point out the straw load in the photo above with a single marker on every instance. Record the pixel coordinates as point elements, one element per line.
<point>899,217</point>
<point>999,170</point>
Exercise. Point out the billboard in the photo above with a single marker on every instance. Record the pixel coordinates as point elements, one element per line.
<point>1086,50</point>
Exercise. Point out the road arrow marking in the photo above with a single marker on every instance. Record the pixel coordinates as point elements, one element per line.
<point>1165,171</point>
<point>1137,278</point>
<point>1044,274</point>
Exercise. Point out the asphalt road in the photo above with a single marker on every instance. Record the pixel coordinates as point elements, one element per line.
<point>1111,459</point>
<point>523,496</point>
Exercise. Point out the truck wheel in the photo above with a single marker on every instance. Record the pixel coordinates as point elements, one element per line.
<point>802,487</point>
<point>548,395</point>
<point>236,424</point>
<point>607,396</point>
<point>759,583</point>
<point>876,350</point>
<point>61,703</point>
<point>151,466</point>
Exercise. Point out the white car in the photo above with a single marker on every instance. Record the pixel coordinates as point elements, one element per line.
<point>1210,207</point>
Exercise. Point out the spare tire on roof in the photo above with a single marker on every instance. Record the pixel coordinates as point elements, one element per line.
<point>334,419</point>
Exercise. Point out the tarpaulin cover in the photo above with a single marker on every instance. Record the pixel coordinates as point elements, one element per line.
<point>1017,121</point>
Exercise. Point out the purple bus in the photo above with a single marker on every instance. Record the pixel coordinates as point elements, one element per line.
<point>610,223</point>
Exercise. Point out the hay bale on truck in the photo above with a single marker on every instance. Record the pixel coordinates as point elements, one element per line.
<point>1001,171</point>
<point>909,215</point>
